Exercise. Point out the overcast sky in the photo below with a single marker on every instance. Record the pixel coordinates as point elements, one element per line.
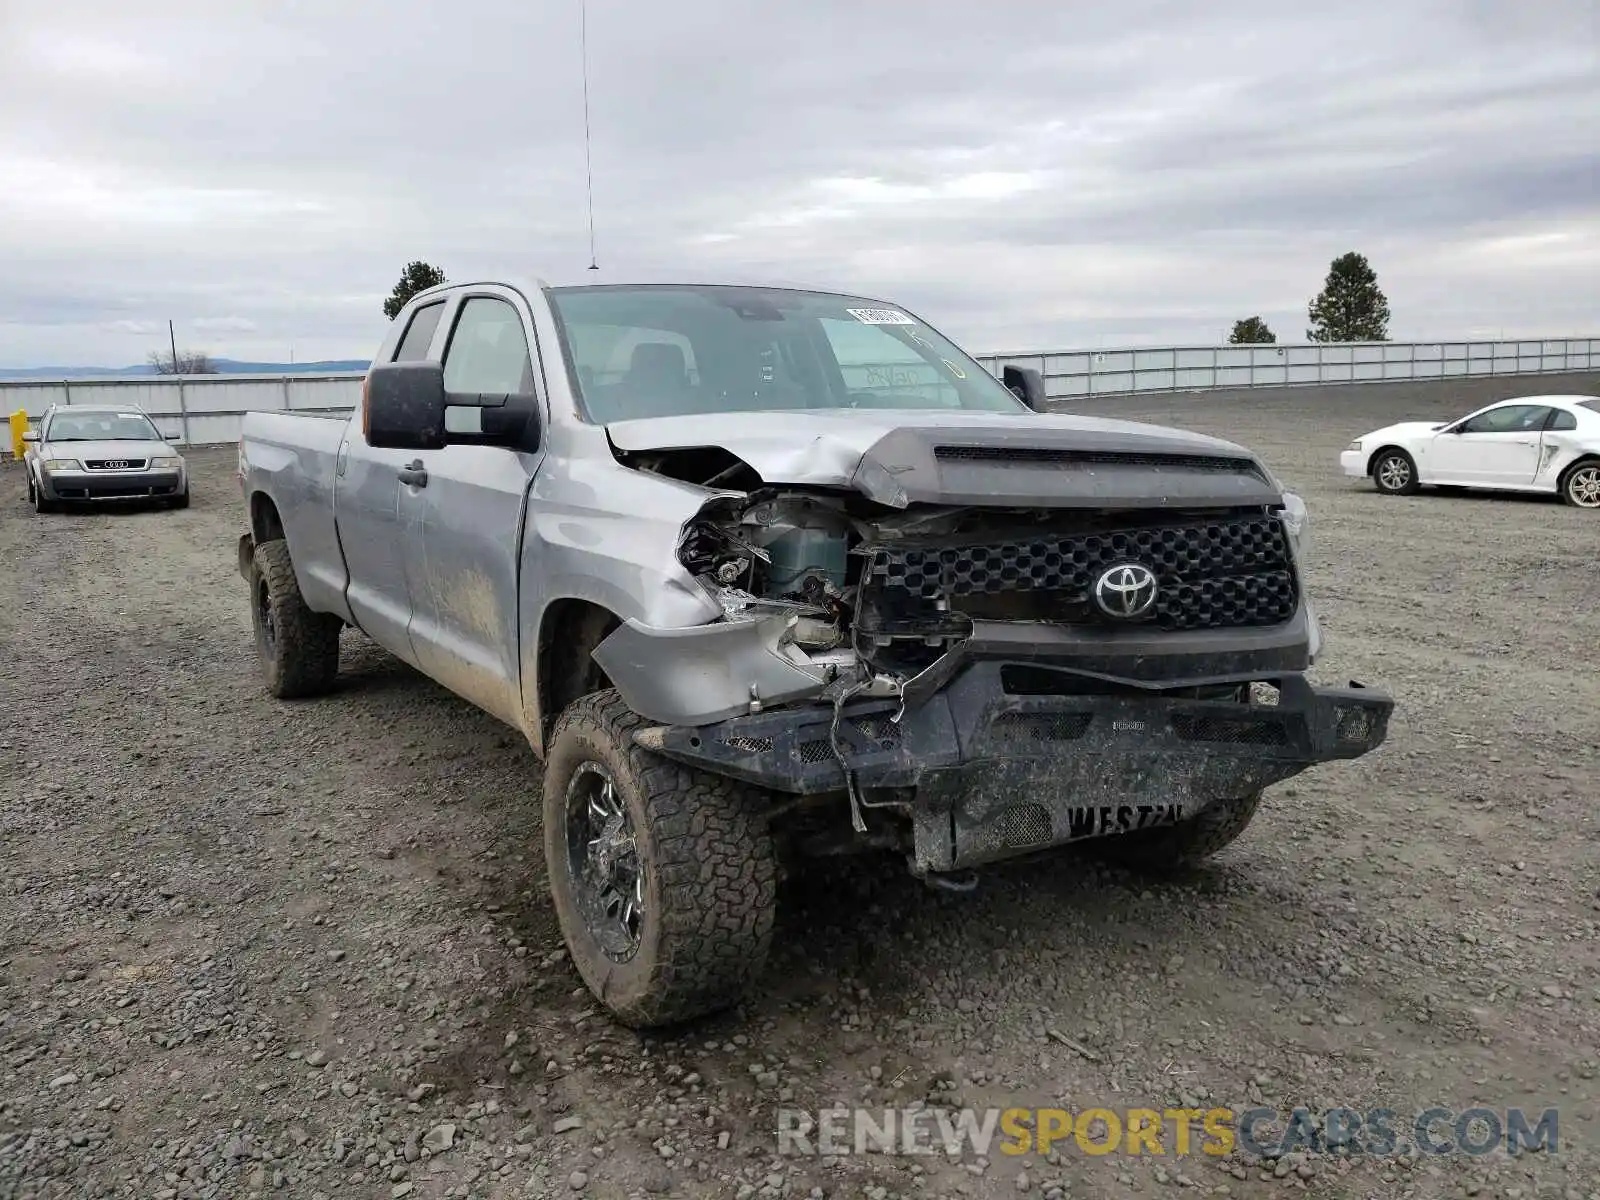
<point>1023,173</point>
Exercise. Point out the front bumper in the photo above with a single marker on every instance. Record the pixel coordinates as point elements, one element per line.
<point>84,486</point>
<point>702,674</point>
<point>1000,770</point>
<point>1353,463</point>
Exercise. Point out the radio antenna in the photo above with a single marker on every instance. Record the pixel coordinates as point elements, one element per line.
<point>588,162</point>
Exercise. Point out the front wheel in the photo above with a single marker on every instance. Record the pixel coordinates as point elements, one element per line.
<point>1186,844</point>
<point>1580,486</point>
<point>181,500</point>
<point>299,649</point>
<point>1395,473</point>
<point>664,878</point>
<point>40,504</point>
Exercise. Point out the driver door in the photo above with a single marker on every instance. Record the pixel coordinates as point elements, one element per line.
<point>1493,448</point>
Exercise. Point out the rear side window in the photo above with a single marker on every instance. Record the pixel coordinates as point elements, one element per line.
<point>1562,419</point>
<point>488,350</point>
<point>419,334</point>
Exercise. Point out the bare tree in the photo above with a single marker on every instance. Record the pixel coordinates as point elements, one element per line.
<point>184,362</point>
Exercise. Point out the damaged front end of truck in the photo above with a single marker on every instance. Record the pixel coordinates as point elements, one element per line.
<point>969,642</point>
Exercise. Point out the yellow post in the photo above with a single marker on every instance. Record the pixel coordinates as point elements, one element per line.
<point>19,426</point>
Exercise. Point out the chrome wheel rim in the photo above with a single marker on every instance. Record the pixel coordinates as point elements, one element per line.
<point>269,631</point>
<point>603,862</point>
<point>1584,487</point>
<point>1394,473</point>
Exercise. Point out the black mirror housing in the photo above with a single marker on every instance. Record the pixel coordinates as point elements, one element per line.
<point>1026,385</point>
<point>406,408</point>
<point>402,406</point>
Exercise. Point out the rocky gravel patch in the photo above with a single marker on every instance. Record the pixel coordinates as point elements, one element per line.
<point>250,948</point>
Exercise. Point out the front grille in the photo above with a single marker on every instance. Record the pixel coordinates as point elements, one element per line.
<point>1221,573</point>
<point>1090,458</point>
<point>751,745</point>
<point>114,464</point>
<point>1248,731</point>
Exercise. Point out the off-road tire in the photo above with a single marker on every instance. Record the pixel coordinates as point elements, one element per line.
<point>300,654</point>
<point>1184,845</point>
<point>709,867</point>
<point>1407,466</point>
<point>1569,479</point>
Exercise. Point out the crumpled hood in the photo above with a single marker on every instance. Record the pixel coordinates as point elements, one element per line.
<point>132,451</point>
<point>899,457</point>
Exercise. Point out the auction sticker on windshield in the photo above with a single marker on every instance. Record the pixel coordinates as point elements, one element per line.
<point>880,316</point>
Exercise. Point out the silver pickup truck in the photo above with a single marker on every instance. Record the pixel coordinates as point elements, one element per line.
<point>762,573</point>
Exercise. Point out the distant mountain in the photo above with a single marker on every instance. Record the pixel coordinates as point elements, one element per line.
<point>223,366</point>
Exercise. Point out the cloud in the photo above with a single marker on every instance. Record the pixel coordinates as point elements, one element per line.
<point>224,325</point>
<point>1023,175</point>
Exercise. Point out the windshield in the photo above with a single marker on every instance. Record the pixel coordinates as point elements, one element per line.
<point>672,350</point>
<point>101,427</point>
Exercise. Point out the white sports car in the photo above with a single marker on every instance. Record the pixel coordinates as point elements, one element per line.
<point>1529,444</point>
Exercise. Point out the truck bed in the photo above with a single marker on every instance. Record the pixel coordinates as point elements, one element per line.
<point>293,458</point>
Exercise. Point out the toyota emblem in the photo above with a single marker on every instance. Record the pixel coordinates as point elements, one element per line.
<point>1126,591</point>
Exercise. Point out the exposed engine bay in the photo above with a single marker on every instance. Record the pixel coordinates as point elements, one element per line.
<point>900,589</point>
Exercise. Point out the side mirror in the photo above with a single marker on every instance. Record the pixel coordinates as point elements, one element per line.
<point>1026,385</point>
<point>30,435</point>
<point>405,407</point>
<point>174,437</point>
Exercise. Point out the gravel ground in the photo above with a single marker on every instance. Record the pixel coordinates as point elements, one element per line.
<point>256,948</point>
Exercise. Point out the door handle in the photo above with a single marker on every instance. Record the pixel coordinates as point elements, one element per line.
<point>414,474</point>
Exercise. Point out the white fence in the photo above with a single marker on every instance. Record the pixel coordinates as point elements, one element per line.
<point>1071,373</point>
<point>207,409</point>
<point>201,409</point>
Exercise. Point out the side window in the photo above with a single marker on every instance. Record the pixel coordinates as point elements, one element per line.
<point>1513,418</point>
<point>1561,420</point>
<point>419,334</point>
<point>488,350</point>
<point>872,359</point>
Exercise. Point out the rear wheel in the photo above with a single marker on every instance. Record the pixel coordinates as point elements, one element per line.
<point>663,877</point>
<point>1186,844</point>
<point>299,648</point>
<point>1395,473</point>
<point>1580,486</point>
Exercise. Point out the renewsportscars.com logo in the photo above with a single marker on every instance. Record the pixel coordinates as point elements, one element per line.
<point>1179,1132</point>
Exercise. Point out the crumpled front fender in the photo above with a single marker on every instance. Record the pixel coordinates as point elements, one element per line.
<point>706,673</point>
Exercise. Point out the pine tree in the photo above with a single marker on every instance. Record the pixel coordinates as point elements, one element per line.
<point>417,277</point>
<point>1352,307</point>
<point>1251,331</point>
